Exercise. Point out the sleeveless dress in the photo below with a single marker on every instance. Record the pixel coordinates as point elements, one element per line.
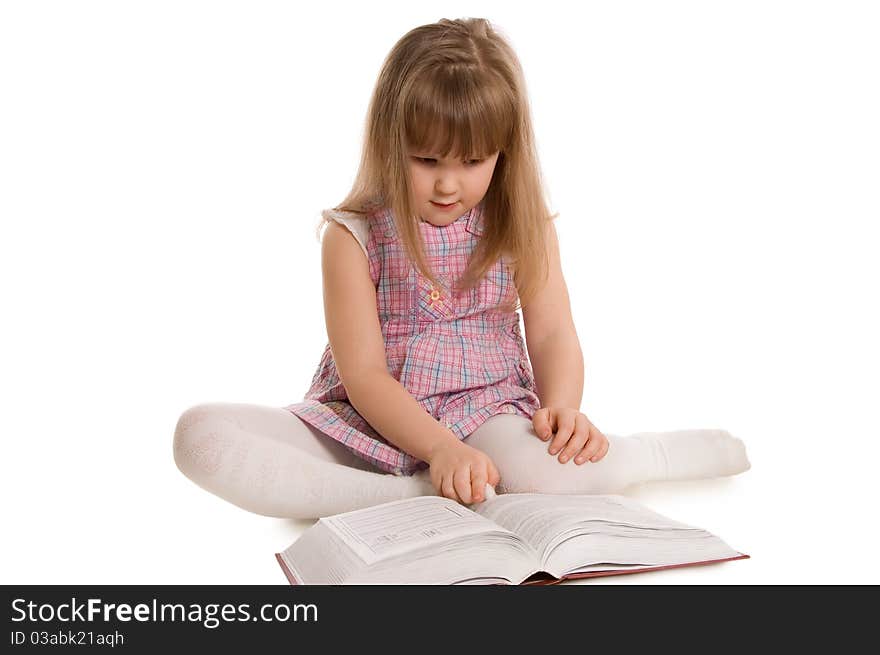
<point>462,358</point>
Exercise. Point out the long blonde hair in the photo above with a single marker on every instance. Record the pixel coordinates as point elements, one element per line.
<point>457,84</point>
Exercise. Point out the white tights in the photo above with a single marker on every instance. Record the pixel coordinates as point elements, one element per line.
<point>267,460</point>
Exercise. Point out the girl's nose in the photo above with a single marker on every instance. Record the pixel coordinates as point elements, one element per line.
<point>444,186</point>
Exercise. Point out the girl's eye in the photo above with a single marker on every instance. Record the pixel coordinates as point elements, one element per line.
<point>430,160</point>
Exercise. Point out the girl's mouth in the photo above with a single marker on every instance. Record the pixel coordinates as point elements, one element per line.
<point>439,206</point>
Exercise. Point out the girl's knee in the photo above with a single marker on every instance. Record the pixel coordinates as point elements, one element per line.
<point>544,474</point>
<point>198,440</point>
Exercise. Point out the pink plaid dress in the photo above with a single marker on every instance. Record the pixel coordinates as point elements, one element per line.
<point>461,358</point>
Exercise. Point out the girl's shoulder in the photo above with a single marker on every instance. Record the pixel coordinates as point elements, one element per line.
<point>357,223</point>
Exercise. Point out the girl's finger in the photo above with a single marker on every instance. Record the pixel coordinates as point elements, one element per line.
<point>565,426</point>
<point>494,476</point>
<point>602,451</point>
<point>541,422</point>
<point>447,487</point>
<point>461,480</point>
<point>580,437</point>
<point>478,484</point>
<point>590,450</point>
<point>593,447</point>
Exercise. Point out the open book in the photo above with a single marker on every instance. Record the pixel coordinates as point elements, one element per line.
<point>530,539</point>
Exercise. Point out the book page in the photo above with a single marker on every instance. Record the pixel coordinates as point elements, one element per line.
<point>388,530</point>
<point>483,558</point>
<point>600,532</point>
<point>636,549</point>
<point>318,557</point>
<point>545,519</point>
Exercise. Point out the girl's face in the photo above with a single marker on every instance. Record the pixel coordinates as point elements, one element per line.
<point>446,189</point>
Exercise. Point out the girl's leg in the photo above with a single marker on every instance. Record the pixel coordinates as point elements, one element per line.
<point>269,461</point>
<point>526,466</point>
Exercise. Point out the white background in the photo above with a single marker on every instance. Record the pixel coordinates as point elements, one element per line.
<point>162,170</point>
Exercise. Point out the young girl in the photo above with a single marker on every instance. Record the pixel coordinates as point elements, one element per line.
<point>425,386</point>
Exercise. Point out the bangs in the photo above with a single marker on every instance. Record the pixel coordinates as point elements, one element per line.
<point>456,115</point>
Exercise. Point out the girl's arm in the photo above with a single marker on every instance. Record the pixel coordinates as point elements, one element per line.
<point>358,349</point>
<point>558,364</point>
<point>551,338</point>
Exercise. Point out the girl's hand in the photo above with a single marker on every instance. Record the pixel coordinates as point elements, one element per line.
<point>574,431</point>
<point>460,472</point>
